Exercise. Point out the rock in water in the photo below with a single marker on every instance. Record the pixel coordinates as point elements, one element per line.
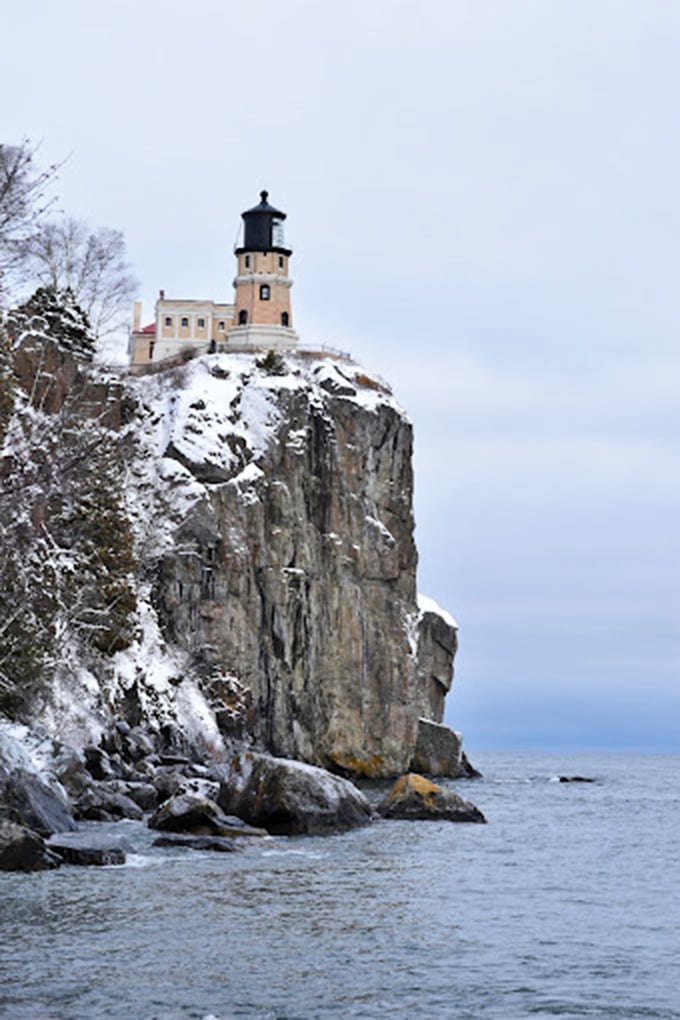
<point>289,797</point>
<point>414,797</point>
<point>23,850</point>
<point>88,848</point>
<point>199,816</point>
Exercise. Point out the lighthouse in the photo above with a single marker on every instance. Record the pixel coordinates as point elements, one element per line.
<point>262,312</point>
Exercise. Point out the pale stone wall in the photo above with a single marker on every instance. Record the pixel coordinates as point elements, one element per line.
<point>184,324</point>
<point>141,348</point>
<point>196,324</point>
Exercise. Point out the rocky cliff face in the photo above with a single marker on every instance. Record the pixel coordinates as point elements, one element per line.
<point>256,577</point>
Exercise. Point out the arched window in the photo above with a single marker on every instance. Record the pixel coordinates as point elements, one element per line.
<point>246,261</point>
<point>264,292</point>
<point>285,319</point>
<point>242,317</point>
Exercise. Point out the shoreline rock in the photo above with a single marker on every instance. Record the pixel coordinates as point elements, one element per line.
<point>199,816</point>
<point>21,849</point>
<point>88,848</point>
<point>292,798</point>
<point>413,797</point>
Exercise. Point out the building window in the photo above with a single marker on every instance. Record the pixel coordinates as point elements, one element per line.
<point>185,322</point>
<point>168,320</point>
<point>285,319</point>
<point>151,347</point>
<point>242,317</point>
<point>264,292</point>
<point>280,261</point>
<point>246,261</point>
<point>201,323</point>
<point>220,325</point>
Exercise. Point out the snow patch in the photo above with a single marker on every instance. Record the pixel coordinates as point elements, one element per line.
<point>428,605</point>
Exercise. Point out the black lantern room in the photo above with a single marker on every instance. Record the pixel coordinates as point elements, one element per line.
<point>263,228</point>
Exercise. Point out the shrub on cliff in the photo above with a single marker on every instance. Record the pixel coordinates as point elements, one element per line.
<point>27,615</point>
<point>101,597</point>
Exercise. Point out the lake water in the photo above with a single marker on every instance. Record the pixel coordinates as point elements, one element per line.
<point>567,904</point>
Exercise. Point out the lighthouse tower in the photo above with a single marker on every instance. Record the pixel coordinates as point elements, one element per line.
<point>262,314</point>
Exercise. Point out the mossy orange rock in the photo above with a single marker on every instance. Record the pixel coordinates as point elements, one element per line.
<point>415,797</point>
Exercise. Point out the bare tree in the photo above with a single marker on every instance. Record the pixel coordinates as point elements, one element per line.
<point>92,264</point>
<point>23,203</point>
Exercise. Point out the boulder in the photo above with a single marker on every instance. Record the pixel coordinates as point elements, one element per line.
<point>168,782</point>
<point>98,763</point>
<point>88,848</point>
<point>69,768</point>
<point>142,794</point>
<point>26,799</point>
<point>222,844</point>
<point>414,797</point>
<point>438,750</point>
<point>189,813</point>
<point>103,802</point>
<point>289,797</point>
<point>139,744</point>
<point>23,850</point>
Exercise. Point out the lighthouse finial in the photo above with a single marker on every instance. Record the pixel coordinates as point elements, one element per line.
<point>264,195</point>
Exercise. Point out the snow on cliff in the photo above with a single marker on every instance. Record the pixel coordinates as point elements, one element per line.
<point>218,414</point>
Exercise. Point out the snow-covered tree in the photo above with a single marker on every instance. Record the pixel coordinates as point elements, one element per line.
<point>55,314</point>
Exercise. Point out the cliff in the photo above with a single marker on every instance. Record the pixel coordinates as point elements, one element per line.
<point>222,551</point>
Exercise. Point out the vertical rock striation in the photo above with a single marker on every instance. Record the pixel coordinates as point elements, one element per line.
<point>225,548</point>
<point>293,572</point>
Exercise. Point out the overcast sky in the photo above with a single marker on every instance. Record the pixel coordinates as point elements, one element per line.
<point>482,199</point>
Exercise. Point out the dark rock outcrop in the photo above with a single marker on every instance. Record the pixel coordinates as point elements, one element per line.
<point>438,751</point>
<point>21,849</point>
<point>289,797</point>
<point>437,639</point>
<point>415,797</point>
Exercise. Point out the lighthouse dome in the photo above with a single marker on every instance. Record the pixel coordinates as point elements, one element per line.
<point>263,228</point>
